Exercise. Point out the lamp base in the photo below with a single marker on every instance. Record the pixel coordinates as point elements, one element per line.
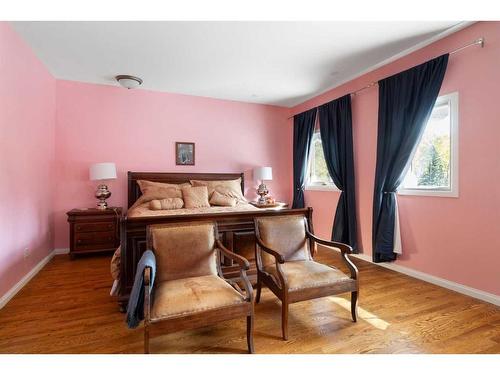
<point>262,191</point>
<point>102,205</point>
<point>102,193</point>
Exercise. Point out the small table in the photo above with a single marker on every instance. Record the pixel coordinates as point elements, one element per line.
<point>93,230</point>
<point>274,206</point>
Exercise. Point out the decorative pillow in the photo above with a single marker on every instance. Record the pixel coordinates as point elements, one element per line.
<point>195,197</point>
<point>229,188</point>
<point>166,204</point>
<point>160,190</point>
<point>219,199</point>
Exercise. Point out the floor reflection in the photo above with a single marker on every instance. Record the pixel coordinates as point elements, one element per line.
<point>370,318</point>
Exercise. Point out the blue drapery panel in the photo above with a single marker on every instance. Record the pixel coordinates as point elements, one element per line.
<point>303,131</point>
<point>335,121</point>
<point>405,104</point>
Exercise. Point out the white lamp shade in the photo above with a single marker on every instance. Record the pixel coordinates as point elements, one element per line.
<point>263,173</point>
<point>102,171</point>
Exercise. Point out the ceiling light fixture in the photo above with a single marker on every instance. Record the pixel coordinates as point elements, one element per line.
<point>129,82</point>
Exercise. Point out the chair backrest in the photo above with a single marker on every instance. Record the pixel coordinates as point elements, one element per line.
<point>183,250</point>
<point>285,234</point>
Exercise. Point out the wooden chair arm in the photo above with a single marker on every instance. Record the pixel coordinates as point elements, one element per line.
<point>345,250</point>
<point>147,294</point>
<point>279,261</point>
<point>247,285</point>
<point>242,262</point>
<point>244,266</point>
<point>278,256</point>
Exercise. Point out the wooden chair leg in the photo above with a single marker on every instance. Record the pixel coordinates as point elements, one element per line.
<point>284,320</point>
<point>251,349</point>
<point>354,306</point>
<point>146,339</point>
<point>259,288</point>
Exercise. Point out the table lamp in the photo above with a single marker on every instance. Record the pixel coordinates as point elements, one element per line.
<point>262,174</point>
<point>99,172</point>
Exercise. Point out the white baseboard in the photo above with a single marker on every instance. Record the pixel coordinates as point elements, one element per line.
<point>61,251</point>
<point>25,280</point>
<point>467,290</point>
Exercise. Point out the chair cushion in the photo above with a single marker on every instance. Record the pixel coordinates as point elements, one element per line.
<point>286,235</point>
<point>181,297</point>
<point>183,250</point>
<point>309,274</point>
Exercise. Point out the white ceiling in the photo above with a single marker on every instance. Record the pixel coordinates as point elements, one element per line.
<point>281,63</point>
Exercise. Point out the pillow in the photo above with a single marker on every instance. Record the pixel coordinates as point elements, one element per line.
<point>219,199</point>
<point>160,190</point>
<point>166,204</point>
<point>229,188</point>
<point>195,197</point>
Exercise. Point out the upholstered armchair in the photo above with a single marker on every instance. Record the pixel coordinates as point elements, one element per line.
<point>284,256</point>
<point>189,290</point>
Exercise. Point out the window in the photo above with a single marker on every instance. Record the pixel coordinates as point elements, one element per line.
<point>434,168</point>
<point>318,177</point>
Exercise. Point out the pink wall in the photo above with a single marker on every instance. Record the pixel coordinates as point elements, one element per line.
<point>27,125</point>
<point>453,238</point>
<point>137,130</point>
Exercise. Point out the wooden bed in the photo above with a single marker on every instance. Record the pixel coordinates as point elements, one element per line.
<point>236,229</point>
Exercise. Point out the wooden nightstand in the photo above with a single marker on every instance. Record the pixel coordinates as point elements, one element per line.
<point>275,206</point>
<point>93,230</point>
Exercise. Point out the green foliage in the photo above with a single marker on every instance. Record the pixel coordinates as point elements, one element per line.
<point>320,168</point>
<point>432,161</point>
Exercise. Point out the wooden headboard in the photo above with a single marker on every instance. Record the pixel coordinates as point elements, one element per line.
<point>173,178</point>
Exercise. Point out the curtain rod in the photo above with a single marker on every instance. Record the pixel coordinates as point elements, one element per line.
<point>479,41</point>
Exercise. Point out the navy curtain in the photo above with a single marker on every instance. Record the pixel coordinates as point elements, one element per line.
<point>405,104</point>
<point>335,121</point>
<point>303,131</point>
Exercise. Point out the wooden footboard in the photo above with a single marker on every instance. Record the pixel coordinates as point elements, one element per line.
<point>236,231</point>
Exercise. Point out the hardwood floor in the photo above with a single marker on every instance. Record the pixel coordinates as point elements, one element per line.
<point>66,308</point>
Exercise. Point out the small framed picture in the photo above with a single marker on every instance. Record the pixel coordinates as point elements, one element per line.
<point>184,153</point>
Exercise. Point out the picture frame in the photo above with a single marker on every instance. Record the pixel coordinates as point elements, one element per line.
<point>184,153</point>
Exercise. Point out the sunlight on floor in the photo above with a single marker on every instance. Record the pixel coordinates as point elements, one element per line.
<point>362,313</point>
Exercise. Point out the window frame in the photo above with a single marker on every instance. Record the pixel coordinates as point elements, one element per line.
<point>309,184</point>
<point>452,192</point>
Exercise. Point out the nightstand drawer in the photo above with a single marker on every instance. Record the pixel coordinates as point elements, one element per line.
<point>94,230</point>
<point>95,238</point>
<point>95,227</point>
